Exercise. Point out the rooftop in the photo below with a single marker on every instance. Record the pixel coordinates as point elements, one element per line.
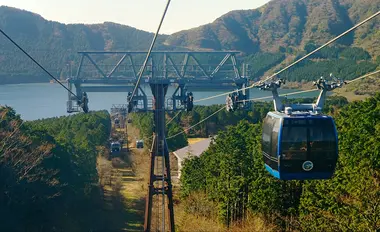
<point>195,149</point>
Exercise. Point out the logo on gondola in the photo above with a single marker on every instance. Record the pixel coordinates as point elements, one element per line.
<point>307,165</point>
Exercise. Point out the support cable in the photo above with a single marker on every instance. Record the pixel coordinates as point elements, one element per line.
<point>197,123</point>
<point>10,39</point>
<point>295,62</point>
<point>150,50</point>
<point>268,97</point>
<point>173,117</point>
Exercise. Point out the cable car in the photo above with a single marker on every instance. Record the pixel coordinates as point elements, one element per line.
<point>189,102</point>
<point>236,100</point>
<point>300,145</point>
<point>115,149</point>
<point>139,144</point>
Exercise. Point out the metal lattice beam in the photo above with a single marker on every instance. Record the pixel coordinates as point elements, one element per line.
<point>116,66</point>
<point>190,73</point>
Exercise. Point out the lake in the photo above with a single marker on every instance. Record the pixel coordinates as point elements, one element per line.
<point>45,100</point>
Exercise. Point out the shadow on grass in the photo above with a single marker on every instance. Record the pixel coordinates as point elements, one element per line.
<point>111,212</point>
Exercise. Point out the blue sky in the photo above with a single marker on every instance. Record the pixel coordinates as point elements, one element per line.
<point>142,14</point>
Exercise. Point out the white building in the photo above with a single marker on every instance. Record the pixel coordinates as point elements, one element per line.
<point>195,149</point>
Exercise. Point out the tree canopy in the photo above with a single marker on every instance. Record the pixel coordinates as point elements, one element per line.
<point>231,174</point>
<point>48,170</point>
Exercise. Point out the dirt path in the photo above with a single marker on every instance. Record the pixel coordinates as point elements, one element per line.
<point>123,189</point>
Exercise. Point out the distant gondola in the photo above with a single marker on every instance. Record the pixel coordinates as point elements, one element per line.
<point>303,144</point>
<point>139,144</point>
<point>115,149</point>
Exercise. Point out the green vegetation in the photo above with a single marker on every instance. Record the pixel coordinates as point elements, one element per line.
<point>231,175</point>
<point>349,201</point>
<point>220,120</point>
<point>265,36</point>
<point>262,62</point>
<point>355,54</point>
<point>178,141</point>
<point>285,26</point>
<point>144,122</point>
<point>49,180</point>
<point>331,52</point>
<point>365,87</point>
<point>234,176</point>
<point>344,62</point>
<point>341,68</point>
<point>335,52</point>
<point>55,45</point>
<point>214,124</point>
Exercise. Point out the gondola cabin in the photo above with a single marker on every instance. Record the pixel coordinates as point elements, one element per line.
<point>115,149</point>
<point>299,146</point>
<point>139,144</point>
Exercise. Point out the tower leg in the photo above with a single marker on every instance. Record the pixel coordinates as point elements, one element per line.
<point>159,149</point>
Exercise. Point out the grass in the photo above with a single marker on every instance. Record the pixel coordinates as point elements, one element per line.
<point>350,95</point>
<point>195,221</point>
<point>361,89</point>
<point>122,206</point>
<point>194,140</point>
<point>128,189</point>
<point>123,186</point>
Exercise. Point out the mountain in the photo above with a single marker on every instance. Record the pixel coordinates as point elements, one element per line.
<point>286,24</point>
<point>55,44</point>
<point>274,35</point>
<point>269,38</point>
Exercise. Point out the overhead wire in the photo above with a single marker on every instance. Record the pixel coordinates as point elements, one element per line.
<point>197,123</point>
<point>295,62</point>
<point>281,95</point>
<point>150,50</point>
<point>367,75</point>
<point>324,45</point>
<point>282,70</point>
<point>10,39</point>
<point>142,69</point>
<point>175,116</point>
<point>267,97</point>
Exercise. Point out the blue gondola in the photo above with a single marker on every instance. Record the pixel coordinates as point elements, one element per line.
<point>139,144</point>
<point>115,149</point>
<point>299,146</point>
<point>298,142</point>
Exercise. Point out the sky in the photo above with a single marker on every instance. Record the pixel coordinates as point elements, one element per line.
<point>141,14</point>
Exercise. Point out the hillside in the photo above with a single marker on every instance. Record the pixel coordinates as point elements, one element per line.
<point>228,184</point>
<point>55,44</point>
<point>269,38</point>
<point>49,180</point>
<point>286,24</point>
<point>278,33</point>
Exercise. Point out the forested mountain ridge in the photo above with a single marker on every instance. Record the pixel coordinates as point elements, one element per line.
<point>269,38</point>
<point>286,24</point>
<point>55,44</point>
<point>281,31</point>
